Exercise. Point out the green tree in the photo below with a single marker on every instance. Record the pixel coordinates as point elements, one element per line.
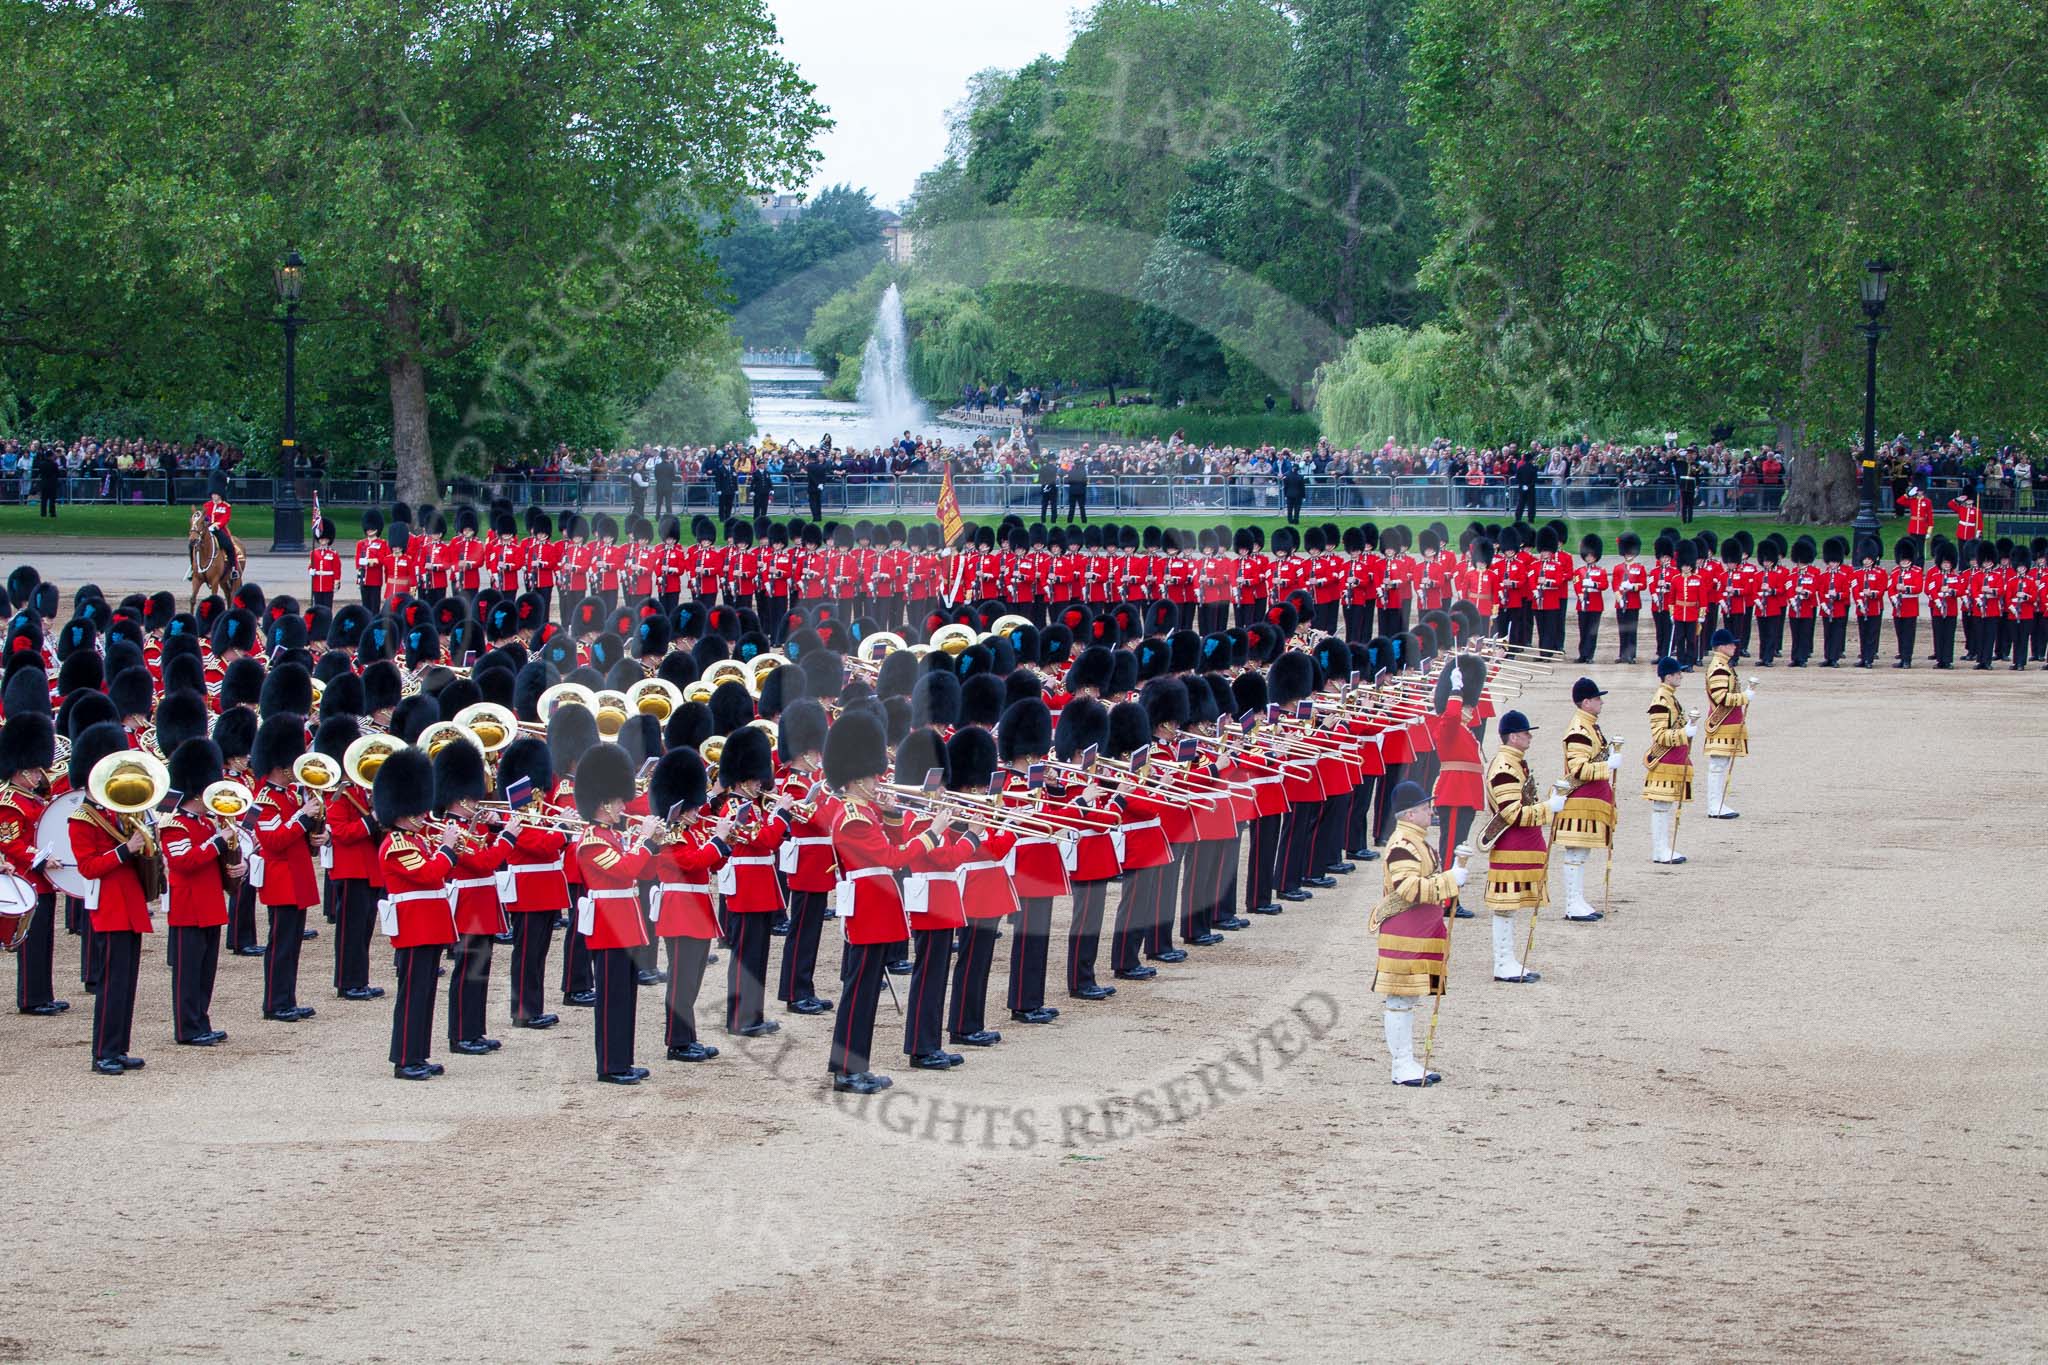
<point>780,275</point>
<point>498,203</point>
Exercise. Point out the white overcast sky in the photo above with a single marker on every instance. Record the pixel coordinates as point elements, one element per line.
<point>889,70</point>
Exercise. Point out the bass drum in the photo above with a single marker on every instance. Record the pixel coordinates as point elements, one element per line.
<point>17,910</point>
<point>53,837</point>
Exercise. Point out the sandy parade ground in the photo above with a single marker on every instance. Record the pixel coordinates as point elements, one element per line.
<point>1789,1099</point>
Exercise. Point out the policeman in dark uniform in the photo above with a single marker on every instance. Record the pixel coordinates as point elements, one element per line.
<point>1293,488</point>
<point>815,473</point>
<point>1077,492</point>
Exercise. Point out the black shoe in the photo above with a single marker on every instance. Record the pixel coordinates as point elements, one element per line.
<point>1463,913</point>
<point>203,1040</point>
<point>1319,883</point>
<point>1341,869</point>
<point>649,978</point>
<point>305,934</point>
<point>415,1072</point>
<point>810,1004</point>
<point>780,930</point>
<point>290,1016</point>
<point>1041,1015</point>
<point>538,1021</point>
<point>129,1063</point>
<point>361,993</point>
<point>692,1052</point>
<point>642,1072</point>
<point>618,1077</point>
<point>1233,923</point>
<point>1365,855</point>
<point>505,937</point>
<point>1727,815</point>
<point>1097,992</point>
<point>1268,908</point>
<point>1428,1079</point>
<point>1137,974</point>
<point>107,1066</point>
<point>48,1008</point>
<point>1593,918</point>
<point>248,952</point>
<point>217,1035</point>
<point>1170,955</point>
<point>1208,940</point>
<point>580,998</point>
<point>469,1047</point>
<point>1524,979</point>
<point>1293,897</point>
<point>861,1084</point>
<point>986,1037</point>
<point>760,1030</point>
<point>434,1068</point>
<point>932,1061</point>
<point>900,967</point>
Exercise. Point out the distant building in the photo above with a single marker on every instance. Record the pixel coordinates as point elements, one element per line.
<point>898,241</point>
<point>777,209</point>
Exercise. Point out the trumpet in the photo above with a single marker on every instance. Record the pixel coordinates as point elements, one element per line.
<point>971,809</point>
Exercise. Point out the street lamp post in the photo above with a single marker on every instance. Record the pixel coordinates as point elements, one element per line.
<point>1876,289</point>
<point>288,535</point>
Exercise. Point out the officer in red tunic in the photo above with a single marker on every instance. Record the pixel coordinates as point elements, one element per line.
<point>1630,580</point>
<point>323,565</point>
<point>871,845</point>
<point>288,830</point>
<point>414,913</point>
<point>1904,589</point>
<point>115,854</point>
<point>614,858</point>
<point>1460,782</point>
<point>355,869</point>
<point>202,856</point>
<point>987,894</point>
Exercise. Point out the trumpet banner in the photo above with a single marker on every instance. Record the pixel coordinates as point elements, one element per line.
<point>949,508</point>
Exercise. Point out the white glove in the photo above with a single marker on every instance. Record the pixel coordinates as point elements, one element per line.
<point>1457,679</point>
<point>1556,803</point>
<point>1692,731</point>
<point>1459,876</point>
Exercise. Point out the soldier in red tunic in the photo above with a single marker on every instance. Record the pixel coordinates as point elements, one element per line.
<point>288,830</point>
<point>614,860</point>
<point>113,853</point>
<point>201,857</point>
<point>28,747</point>
<point>683,918</point>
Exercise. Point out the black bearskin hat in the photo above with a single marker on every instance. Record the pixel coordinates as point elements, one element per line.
<point>27,740</point>
<point>935,700</point>
<point>459,774</point>
<point>603,774</point>
<point>280,739</point>
<point>678,780</point>
<point>194,765</point>
<point>1130,729</point>
<point>1025,731</point>
<point>180,716</point>
<point>748,757</point>
<point>802,729</point>
<point>527,757</point>
<point>1083,723</point>
<point>970,759</point>
<point>404,787</point>
<point>855,747</point>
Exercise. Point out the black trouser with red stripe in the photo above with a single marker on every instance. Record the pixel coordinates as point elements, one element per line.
<point>412,1003</point>
<point>924,1013</point>
<point>113,1014</point>
<point>611,974</point>
<point>1625,622</point>
<point>1224,904</point>
<point>242,919</point>
<point>686,957</point>
<point>969,1012</point>
<point>1159,928</point>
<point>1358,834</point>
<point>355,918</point>
<point>33,985</point>
<point>533,933</point>
<point>853,1029</point>
<point>281,958</point>
<point>1589,635</point>
<point>1770,638</point>
<point>469,988</point>
<point>800,947</point>
<point>1905,630</point>
<point>1084,934</point>
<point>1358,622</point>
<point>1330,831</point>
<point>1199,890</point>
<point>1028,951</point>
<point>1133,917</point>
<point>577,973</point>
<point>195,960</point>
<point>1297,840</point>
<point>1259,887</point>
<point>1944,640</point>
<point>746,972</point>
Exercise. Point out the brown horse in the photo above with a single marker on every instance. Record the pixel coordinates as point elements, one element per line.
<point>215,569</point>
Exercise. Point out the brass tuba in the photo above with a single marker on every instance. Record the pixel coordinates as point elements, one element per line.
<point>366,755</point>
<point>657,697</point>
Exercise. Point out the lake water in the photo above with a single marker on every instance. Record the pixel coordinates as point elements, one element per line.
<point>789,404</point>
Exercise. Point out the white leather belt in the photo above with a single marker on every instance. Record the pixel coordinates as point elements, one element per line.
<point>861,872</point>
<point>952,878</point>
<point>402,897</point>
<point>683,888</point>
<point>1142,824</point>
<point>520,868</point>
<point>802,843</point>
<point>626,893</point>
<point>472,883</point>
<point>966,868</point>
<point>752,862</point>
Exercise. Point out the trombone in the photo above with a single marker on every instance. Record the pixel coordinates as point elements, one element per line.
<point>974,809</point>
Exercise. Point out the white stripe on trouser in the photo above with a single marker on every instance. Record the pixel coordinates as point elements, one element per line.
<point>1717,782</point>
<point>1504,964</point>
<point>1574,861</point>
<point>1399,1018</point>
<point>1660,831</point>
